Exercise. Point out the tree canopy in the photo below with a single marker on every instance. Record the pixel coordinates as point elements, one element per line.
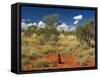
<point>51,19</point>
<point>86,32</point>
<point>30,30</point>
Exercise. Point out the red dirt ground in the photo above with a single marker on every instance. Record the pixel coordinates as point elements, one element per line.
<point>67,61</point>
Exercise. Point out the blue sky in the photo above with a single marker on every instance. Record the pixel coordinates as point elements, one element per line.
<point>36,14</point>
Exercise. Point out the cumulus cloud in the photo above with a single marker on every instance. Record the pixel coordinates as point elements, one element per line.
<point>41,24</point>
<point>23,25</point>
<point>34,23</point>
<point>78,17</point>
<point>72,28</point>
<point>23,20</point>
<point>76,21</point>
<point>63,27</point>
<point>29,24</point>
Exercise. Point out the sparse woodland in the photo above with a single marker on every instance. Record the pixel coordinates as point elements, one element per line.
<point>48,48</point>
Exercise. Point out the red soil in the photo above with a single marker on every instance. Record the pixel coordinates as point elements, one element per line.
<point>67,61</point>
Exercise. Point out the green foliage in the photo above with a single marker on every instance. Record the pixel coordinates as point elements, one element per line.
<point>64,50</point>
<point>26,61</point>
<point>69,33</point>
<point>85,47</point>
<point>42,63</point>
<point>24,55</point>
<point>34,55</point>
<point>48,49</point>
<point>77,46</point>
<point>43,35</point>
<point>47,34</point>
<point>86,32</point>
<point>54,35</point>
<point>83,61</point>
<point>30,30</point>
<point>84,55</point>
<point>51,19</point>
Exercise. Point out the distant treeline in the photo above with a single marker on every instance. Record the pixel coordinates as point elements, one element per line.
<point>84,32</point>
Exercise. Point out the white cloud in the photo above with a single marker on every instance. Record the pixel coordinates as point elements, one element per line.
<point>34,23</point>
<point>63,27</point>
<point>23,25</point>
<point>23,20</point>
<point>72,28</point>
<point>29,24</point>
<point>41,24</point>
<point>76,21</point>
<point>78,17</point>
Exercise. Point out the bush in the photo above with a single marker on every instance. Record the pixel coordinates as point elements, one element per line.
<point>25,52</point>
<point>86,32</point>
<point>91,52</point>
<point>83,56</point>
<point>42,63</point>
<point>83,61</point>
<point>35,55</point>
<point>48,49</point>
<point>26,61</point>
<point>77,46</point>
<point>24,56</point>
<point>47,34</point>
<point>85,47</point>
<point>24,42</point>
<point>64,50</point>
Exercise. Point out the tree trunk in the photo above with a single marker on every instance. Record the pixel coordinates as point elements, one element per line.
<point>59,58</point>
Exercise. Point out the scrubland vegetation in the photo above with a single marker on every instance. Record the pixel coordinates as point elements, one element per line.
<point>48,48</point>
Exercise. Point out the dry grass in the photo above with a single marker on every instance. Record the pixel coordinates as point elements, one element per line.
<point>68,46</point>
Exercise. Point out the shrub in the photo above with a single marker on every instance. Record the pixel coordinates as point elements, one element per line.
<point>86,32</point>
<point>26,61</point>
<point>85,47</point>
<point>25,52</point>
<point>64,50</point>
<point>24,55</point>
<point>48,49</point>
<point>42,63</point>
<point>91,52</point>
<point>35,55</point>
<point>77,46</point>
<point>83,61</point>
